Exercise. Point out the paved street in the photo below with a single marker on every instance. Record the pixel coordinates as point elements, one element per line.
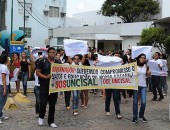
<point>93,118</point>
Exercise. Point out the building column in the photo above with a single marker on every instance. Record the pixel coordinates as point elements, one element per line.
<point>96,44</point>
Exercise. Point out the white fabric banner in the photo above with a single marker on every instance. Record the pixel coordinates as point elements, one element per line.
<point>137,50</point>
<point>73,47</point>
<point>154,68</point>
<point>107,61</point>
<point>109,58</point>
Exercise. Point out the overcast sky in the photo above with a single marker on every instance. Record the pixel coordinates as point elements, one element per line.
<point>78,6</point>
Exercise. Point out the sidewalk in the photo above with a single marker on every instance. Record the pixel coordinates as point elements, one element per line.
<point>93,118</point>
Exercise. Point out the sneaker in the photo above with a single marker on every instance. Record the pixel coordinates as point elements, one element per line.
<point>164,94</point>
<point>153,99</point>
<point>160,99</point>
<point>134,121</point>
<point>40,121</point>
<point>4,118</point>
<point>108,114</point>
<point>1,121</point>
<point>75,113</point>
<point>119,116</point>
<point>53,125</point>
<point>143,119</point>
<point>67,108</point>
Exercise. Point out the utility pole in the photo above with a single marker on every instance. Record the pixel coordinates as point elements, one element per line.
<point>12,19</point>
<point>24,22</point>
<point>0,15</point>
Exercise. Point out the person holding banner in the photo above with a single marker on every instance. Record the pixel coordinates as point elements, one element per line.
<point>156,78</point>
<point>43,71</point>
<point>67,94</point>
<point>143,72</point>
<point>76,94</point>
<point>84,93</point>
<point>116,98</point>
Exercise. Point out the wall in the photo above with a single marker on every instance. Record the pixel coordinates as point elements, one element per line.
<point>71,22</point>
<point>165,8</point>
<point>39,32</point>
<point>92,18</point>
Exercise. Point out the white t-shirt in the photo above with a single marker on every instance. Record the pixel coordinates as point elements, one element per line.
<point>4,70</point>
<point>159,62</point>
<point>142,76</point>
<point>36,80</point>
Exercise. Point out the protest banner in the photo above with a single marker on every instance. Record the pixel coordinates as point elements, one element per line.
<point>67,78</point>
<point>106,61</point>
<point>137,50</point>
<point>73,47</point>
<point>109,58</point>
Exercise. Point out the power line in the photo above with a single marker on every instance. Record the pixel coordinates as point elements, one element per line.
<point>34,17</point>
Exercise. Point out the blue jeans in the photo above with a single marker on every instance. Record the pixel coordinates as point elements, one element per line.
<point>2,98</point>
<point>164,84</point>
<point>37,96</point>
<point>142,92</point>
<point>116,99</point>
<point>24,81</point>
<point>76,95</point>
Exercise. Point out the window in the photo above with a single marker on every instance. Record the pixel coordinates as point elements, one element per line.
<point>53,11</point>
<point>27,31</point>
<point>28,7</point>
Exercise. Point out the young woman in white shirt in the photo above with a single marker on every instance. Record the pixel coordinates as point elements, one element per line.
<point>4,84</point>
<point>143,72</point>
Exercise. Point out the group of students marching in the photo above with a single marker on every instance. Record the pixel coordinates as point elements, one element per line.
<point>20,68</point>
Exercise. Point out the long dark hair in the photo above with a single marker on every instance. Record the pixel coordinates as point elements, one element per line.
<point>3,58</point>
<point>137,59</point>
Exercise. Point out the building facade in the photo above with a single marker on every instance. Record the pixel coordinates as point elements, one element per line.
<point>106,33</point>
<point>41,15</point>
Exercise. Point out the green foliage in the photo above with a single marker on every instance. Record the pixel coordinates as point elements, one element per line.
<point>130,10</point>
<point>157,38</point>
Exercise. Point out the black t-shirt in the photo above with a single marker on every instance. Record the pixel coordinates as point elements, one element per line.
<point>24,66</point>
<point>45,66</point>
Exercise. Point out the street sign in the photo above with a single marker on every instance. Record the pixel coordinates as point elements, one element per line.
<point>16,48</point>
<point>17,42</point>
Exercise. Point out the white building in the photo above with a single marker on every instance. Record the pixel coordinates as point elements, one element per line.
<point>107,33</point>
<point>40,16</point>
<point>93,18</point>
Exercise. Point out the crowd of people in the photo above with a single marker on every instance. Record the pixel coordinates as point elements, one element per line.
<point>18,68</point>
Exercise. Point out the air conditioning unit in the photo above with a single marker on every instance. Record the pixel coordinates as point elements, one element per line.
<point>63,14</point>
<point>45,12</point>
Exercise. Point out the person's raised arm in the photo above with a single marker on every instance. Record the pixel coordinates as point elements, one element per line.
<point>70,61</point>
<point>83,59</point>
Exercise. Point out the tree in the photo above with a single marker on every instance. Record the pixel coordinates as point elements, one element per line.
<point>130,10</point>
<point>157,38</point>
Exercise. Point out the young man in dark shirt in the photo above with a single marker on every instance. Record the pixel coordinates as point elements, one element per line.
<point>43,72</point>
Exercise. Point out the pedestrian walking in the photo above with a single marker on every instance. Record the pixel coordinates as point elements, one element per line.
<point>43,72</point>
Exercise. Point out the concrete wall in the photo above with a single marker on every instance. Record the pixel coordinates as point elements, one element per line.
<point>92,18</point>
<point>39,33</point>
<point>72,22</point>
